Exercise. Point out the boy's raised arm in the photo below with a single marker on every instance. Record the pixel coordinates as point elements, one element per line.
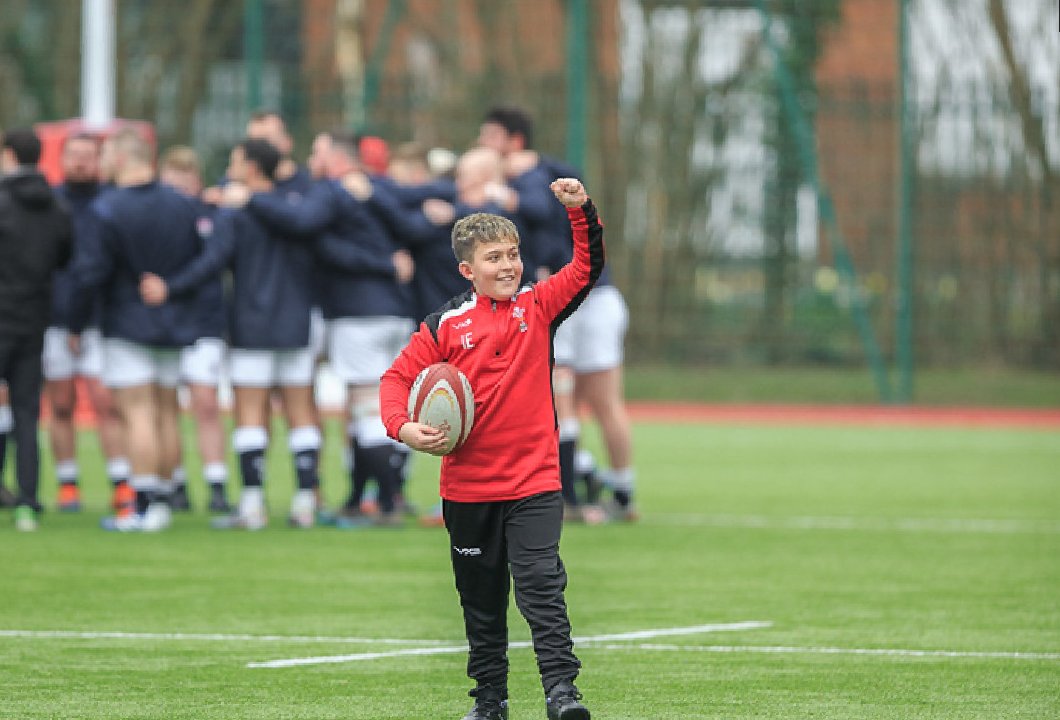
<point>561,293</point>
<point>569,191</point>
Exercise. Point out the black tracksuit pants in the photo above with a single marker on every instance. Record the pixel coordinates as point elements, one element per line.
<point>20,367</point>
<point>492,543</point>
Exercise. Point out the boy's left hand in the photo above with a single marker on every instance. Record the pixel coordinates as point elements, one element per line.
<point>423,438</point>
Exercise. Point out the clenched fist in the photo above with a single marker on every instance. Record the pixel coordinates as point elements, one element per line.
<point>569,191</point>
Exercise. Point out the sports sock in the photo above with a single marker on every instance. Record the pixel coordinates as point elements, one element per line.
<point>178,479</point>
<point>304,443</point>
<point>66,472</point>
<point>374,457</point>
<point>358,475</point>
<point>215,473</point>
<point>252,501</point>
<point>621,481</point>
<point>585,473</point>
<point>568,443</point>
<point>118,471</point>
<point>146,487</point>
<point>249,444</point>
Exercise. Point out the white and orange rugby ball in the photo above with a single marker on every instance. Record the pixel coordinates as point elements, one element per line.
<point>441,397</point>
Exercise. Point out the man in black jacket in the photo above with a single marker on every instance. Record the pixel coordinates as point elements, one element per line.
<point>35,240</point>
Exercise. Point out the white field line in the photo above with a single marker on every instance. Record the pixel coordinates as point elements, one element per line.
<point>636,635</point>
<point>871,524</point>
<point>885,652</point>
<point>208,637</point>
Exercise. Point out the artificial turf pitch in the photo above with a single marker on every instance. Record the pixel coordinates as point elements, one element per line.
<point>842,572</point>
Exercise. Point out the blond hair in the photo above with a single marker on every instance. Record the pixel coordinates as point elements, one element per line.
<point>182,159</point>
<point>480,228</point>
<point>129,142</point>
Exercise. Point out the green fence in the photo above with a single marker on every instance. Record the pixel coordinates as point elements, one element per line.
<point>729,226</point>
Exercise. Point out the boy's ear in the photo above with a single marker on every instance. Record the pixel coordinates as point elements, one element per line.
<point>465,269</point>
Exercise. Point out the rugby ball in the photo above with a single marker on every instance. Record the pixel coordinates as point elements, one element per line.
<point>441,397</point>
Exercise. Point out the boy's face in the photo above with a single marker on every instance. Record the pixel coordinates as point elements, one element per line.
<point>496,269</point>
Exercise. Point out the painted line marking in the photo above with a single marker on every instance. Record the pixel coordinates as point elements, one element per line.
<point>208,637</point>
<point>871,524</point>
<point>635,635</point>
<point>792,650</point>
<point>329,659</point>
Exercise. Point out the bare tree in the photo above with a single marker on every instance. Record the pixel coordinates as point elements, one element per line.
<point>1034,137</point>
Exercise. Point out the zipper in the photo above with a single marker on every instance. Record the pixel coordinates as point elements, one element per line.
<point>496,335</point>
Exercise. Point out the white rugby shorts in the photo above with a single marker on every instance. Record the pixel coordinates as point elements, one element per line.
<point>361,349</point>
<point>128,364</point>
<point>592,338</point>
<point>201,363</point>
<point>271,368</point>
<point>61,364</point>
<point>317,332</point>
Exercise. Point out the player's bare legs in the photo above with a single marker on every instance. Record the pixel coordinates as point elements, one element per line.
<point>144,432</point>
<point>249,441</point>
<point>210,435</point>
<point>602,392</point>
<point>62,397</point>
<point>110,429</point>
<point>169,445</point>
<point>569,430</point>
<point>304,440</point>
<point>374,455</point>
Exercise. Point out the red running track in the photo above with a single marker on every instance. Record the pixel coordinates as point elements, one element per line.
<point>860,415</point>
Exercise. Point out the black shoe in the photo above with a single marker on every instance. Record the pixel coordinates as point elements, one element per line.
<point>561,703</point>
<point>218,501</point>
<point>178,499</point>
<point>490,704</point>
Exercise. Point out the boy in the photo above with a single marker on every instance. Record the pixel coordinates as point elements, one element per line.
<point>501,491</point>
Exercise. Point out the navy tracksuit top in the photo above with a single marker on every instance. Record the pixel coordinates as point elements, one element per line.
<point>355,273</point>
<point>211,315</point>
<point>272,280</point>
<point>146,228</point>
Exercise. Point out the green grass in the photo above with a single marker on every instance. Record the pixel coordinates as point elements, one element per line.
<point>968,386</point>
<point>842,538</point>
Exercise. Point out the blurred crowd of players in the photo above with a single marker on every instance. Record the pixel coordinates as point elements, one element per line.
<point>259,279</point>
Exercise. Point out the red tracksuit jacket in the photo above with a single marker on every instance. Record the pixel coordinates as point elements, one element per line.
<point>504,347</point>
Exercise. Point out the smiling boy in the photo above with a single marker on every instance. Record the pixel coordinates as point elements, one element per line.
<point>501,490</point>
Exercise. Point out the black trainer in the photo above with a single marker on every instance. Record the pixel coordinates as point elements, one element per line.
<point>562,703</point>
<point>178,499</point>
<point>218,500</point>
<point>490,704</point>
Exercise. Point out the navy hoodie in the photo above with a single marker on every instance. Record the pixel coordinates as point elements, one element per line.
<point>35,239</point>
